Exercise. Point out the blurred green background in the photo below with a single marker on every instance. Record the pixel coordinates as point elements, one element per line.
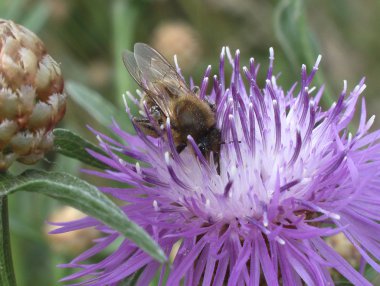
<point>87,37</point>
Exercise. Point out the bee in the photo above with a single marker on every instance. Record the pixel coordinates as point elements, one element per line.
<point>166,95</point>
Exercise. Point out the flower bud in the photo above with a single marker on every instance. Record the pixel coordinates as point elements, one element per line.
<point>32,99</point>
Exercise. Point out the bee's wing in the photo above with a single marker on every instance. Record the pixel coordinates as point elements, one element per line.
<point>131,65</point>
<point>155,75</point>
<point>156,69</point>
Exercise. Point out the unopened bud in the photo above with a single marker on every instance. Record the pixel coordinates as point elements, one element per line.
<point>32,99</point>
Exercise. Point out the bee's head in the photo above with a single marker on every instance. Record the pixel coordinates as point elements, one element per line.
<point>210,142</point>
<point>193,116</point>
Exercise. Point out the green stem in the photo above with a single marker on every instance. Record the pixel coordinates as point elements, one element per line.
<point>310,54</point>
<point>7,276</point>
<point>297,40</point>
<point>124,16</point>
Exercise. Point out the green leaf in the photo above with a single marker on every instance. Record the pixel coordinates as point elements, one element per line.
<point>82,196</point>
<point>96,105</point>
<point>74,146</point>
<point>7,277</point>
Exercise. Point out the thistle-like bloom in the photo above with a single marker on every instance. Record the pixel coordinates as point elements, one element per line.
<point>291,174</point>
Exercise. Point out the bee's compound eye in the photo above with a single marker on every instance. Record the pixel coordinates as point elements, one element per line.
<point>195,89</point>
<point>155,112</point>
<point>202,147</point>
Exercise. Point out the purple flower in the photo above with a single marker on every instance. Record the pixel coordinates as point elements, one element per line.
<point>291,174</point>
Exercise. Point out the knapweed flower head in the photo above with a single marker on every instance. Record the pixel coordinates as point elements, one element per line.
<point>32,98</point>
<point>291,174</point>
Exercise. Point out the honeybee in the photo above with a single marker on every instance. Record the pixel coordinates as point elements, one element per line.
<point>166,95</point>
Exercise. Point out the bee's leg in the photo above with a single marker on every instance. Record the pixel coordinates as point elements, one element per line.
<point>181,147</point>
<point>146,126</point>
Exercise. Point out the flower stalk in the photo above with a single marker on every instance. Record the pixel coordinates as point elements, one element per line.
<point>7,276</point>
